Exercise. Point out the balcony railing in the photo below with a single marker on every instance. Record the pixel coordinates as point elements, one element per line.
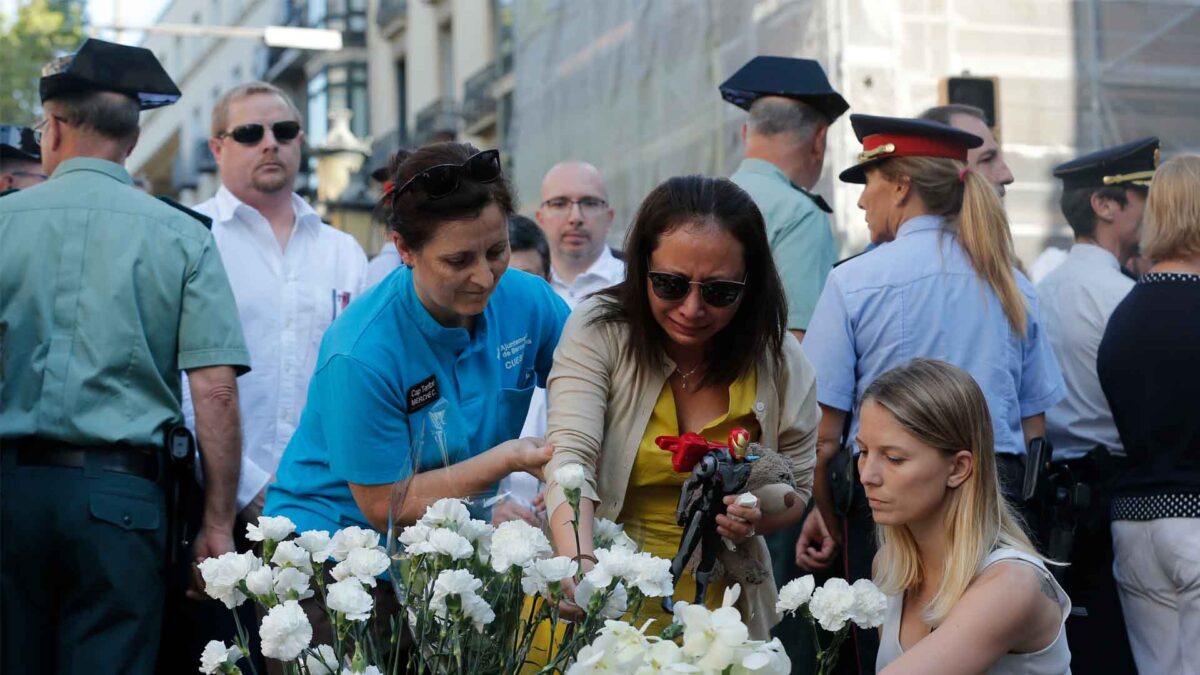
<point>439,116</point>
<point>479,102</point>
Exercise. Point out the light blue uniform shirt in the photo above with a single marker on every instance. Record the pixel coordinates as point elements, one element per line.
<point>919,296</point>
<point>798,232</point>
<point>384,366</point>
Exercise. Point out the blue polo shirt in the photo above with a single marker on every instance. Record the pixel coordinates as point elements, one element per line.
<point>389,375</point>
<point>919,296</point>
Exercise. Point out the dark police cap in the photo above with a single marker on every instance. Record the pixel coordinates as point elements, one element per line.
<point>801,79</point>
<point>106,66</point>
<point>888,137</point>
<point>1127,165</point>
<point>18,142</point>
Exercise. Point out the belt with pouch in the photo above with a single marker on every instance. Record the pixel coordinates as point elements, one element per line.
<point>142,462</point>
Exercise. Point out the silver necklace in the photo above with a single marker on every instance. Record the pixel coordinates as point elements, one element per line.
<point>683,377</point>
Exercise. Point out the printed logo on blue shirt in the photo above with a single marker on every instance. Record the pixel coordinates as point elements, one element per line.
<point>513,352</point>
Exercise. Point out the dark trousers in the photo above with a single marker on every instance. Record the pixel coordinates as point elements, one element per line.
<point>1096,628</point>
<point>82,555</point>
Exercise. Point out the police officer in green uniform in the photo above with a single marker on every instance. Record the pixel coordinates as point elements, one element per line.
<point>105,295</point>
<point>20,159</point>
<point>791,105</point>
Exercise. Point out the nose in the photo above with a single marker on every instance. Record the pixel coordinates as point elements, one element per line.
<point>482,275</point>
<point>693,304</point>
<point>868,471</point>
<point>860,199</point>
<point>1005,176</point>
<point>575,212</point>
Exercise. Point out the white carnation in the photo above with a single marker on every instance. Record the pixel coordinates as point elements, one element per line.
<point>285,631</point>
<point>446,512</point>
<point>270,528</point>
<point>664,656</point>
<point>614,605</point>
<point>476,530</point>
<point>832,604</point>
<point>651,575</point>
<point>539,574</point>
<point>870,604</point>
<point>351,538</point>
<point>288,554</point>
<point>317,543</point>
<point>260,581</point>
<point>216,654</point>
<point>415,534</point>
<point>223,575</point>
<point>445,542</point>
<point>322,662</point>
<point>607,534</point>
<point>612,563</point>
<point>627,644</point>
<point>464,585</point>
<point>350,598</point>
<point>711,639</point>
<point>292,584</point>
<point>477,611</point>
<point>570,476</point>
<point>762,658</point>
<point>795,594</point>
<point>516,543</point>
<point>363,564</point>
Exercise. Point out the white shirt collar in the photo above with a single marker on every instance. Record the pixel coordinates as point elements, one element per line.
<point>228,205</point>
<point>606,267</point>
<point>1094,255</point>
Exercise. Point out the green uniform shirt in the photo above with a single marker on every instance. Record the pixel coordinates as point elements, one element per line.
<point>106,294</point>
<point>799,234</point>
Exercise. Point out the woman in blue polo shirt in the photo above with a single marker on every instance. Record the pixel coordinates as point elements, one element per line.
<point>452,340</point>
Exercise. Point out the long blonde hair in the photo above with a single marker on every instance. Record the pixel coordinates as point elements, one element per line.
<point>974,207</point>
<point>1171,229</point>
<point>943,407</point>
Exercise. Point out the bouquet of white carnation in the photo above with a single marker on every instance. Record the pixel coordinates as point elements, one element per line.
<point>832,607</point>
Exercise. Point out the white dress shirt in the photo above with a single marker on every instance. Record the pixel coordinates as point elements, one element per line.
<point>286,299</point>
<point>606,271</point>
<point>1077,299</point>
<point>383,264</point>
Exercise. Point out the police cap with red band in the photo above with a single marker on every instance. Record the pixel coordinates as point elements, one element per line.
<point>800,79</point>
<point>888,137</point>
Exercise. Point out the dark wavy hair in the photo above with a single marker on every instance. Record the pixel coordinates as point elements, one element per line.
<point>416,217</point>
<point>760,324</point>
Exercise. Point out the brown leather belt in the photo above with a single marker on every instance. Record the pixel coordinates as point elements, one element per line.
<point>135,461</point>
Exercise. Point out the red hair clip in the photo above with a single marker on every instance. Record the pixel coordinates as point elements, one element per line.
<point>962,174</point>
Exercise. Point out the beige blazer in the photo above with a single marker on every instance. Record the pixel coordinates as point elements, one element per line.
<point>600,403</point>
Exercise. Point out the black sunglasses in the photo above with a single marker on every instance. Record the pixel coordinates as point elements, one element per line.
<point>442,180</point>
<point>673,288</point>
<point>251,134</point>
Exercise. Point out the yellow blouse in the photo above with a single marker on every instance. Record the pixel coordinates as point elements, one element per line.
<point>648,513</point>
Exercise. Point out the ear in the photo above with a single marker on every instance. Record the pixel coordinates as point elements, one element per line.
<point>901,189</point>
<point>818,143</point>
<point>962,466</point>
<point>214,146</point>
<point>1104,208</point>
<point>133,143</point>
<point>745,129</point>
<point>406,252</point>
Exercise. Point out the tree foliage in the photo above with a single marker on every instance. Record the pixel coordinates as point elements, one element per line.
<point>40,31</point>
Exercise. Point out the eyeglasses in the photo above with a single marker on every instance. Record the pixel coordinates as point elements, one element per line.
<point>442,180</point>
<point>674,288</point>
<point>252,134</point>
<point>40,127</point>
<point>588,206</point>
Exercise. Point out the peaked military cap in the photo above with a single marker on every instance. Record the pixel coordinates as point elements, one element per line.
<point>107,66</point>
<point>18,142</point>
<point>888,137</point>
<point>1129,164</point>
<point>801,79</point>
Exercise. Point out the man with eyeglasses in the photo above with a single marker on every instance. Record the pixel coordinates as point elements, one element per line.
<point>20,159</point>
<point>292,275</point>
<point>576,218</point>
<point>106,294</point>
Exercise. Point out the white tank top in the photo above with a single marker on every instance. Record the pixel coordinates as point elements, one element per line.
<point>1055,659</point>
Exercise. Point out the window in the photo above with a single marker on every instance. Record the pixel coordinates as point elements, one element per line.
<point>342,86</point>
<point>446,59</point>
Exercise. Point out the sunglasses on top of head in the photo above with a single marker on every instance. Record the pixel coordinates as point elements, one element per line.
<point>674,288</point>
<point>251,134</point>
<point>442,180</point>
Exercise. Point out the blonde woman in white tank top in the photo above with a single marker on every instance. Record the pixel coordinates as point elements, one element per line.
<point>967,591</point>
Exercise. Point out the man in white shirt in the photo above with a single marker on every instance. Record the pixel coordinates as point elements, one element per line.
<point>576,218</point>
<point>291,274</point>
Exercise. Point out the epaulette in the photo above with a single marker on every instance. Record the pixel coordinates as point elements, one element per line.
<point>204,220</point>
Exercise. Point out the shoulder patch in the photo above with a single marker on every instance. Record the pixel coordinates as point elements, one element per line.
<point>204,220</point>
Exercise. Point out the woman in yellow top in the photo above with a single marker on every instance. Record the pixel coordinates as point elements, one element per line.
<point>693,340</point>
